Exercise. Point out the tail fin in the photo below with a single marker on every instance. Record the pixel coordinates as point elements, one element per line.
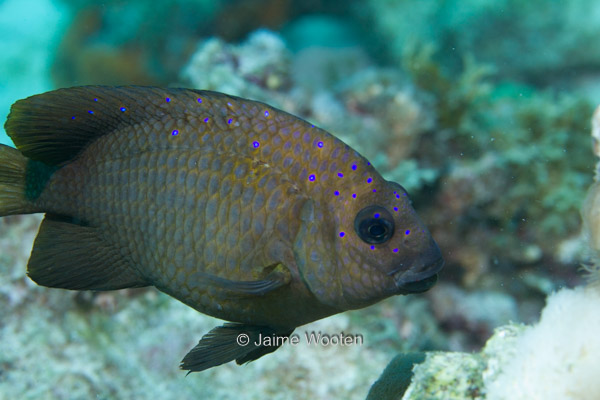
<point>13,170</point>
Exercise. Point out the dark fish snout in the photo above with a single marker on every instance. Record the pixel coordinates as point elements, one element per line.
<point>420,286</point>
<point>422,275</point>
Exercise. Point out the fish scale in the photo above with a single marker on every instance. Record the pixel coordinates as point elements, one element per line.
<point>237,209</point>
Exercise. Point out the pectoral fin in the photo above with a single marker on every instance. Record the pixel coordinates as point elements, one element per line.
<point>232,341</point>
<point>279,276</point>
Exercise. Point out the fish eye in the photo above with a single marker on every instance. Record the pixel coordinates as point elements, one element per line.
<point>374,225</point>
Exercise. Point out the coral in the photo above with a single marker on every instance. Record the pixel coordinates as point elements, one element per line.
<point>518,361</point>
<point>437,377</point>
<point>237,70</point>
<point>561,349</point>
<point>506,156</point>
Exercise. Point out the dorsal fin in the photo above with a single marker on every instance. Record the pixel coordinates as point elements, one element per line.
<point>54,127</point>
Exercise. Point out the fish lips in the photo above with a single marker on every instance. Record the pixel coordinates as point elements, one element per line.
<point>419,281</point>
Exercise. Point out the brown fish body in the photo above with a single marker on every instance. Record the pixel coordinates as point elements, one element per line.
<point>239,210</point>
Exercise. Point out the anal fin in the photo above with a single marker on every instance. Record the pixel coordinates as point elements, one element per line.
<point>233,341</point>
<point>72,256</point>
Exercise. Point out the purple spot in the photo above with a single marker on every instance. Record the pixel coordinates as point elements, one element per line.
<point>73,117</point>
<point>206,119</point>
<point>342,234</point>
<point>368,163</point>
<point>255,144</point>
<point>95,99</point>
<point>353,195</point>
<point>369,180</point>
<point>229,121</point>
<point>311,177</point>
<point>199,100</point>
<point>90,111</point>
<point>395,208</point>
<point>312,126</point>
<point>374,190</point>
<point>266,113</point>
<point>340,175</point>
<point>337,193</point>
<point>320,144</point>
<point>407,232</point>
<point>167,99</point>
<point>395,250</point>
<point>376,215</point>
<point>397,196</point>
<point>395,192</point>
<point>123,109</point>
<point>175,132</point>
<point>372,247</point>
<point>353,167</point>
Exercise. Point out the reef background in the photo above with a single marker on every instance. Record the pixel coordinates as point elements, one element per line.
<point>481,111</point>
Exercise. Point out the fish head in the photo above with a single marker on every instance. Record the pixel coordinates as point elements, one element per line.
<point>356,251</point>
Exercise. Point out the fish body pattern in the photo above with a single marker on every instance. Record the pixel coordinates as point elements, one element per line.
<point>237,209</point>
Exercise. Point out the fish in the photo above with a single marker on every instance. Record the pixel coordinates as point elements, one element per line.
<point>237,209</point>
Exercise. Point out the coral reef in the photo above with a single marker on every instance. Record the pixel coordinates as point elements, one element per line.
<point>518,361</point>
<point>493,149</point>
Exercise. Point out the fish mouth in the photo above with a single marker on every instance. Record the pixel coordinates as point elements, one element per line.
<point>420,281</point>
